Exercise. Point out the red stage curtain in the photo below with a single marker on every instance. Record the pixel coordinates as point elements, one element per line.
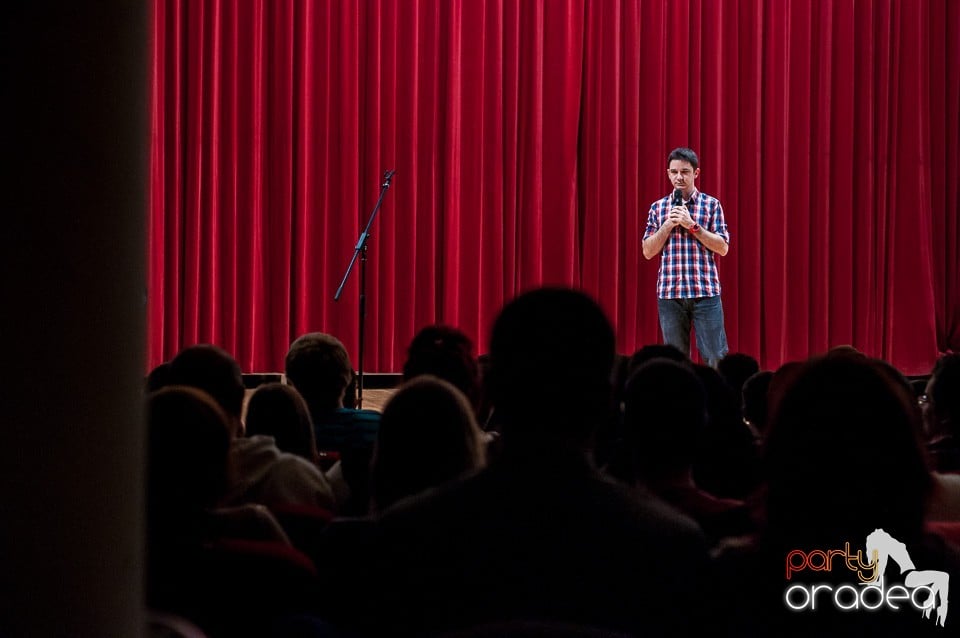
<point>529,139</point>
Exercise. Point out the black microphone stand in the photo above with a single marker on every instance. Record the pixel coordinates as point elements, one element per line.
<point>361,251</point>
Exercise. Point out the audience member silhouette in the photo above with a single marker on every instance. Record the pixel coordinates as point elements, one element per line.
<point>940,404</point>
<point>755,405</point>
<point>318,366</point>
<point>621,372</point>
<point>665,414</point>
<point>263,474</point>
<point>188,448</point>
<point>727,463</point>
<point>837,409</point>
<point>782,379</point>
<point>608,445</point>
<point>538,534</point>
<point>428,436</point>
<point>188,469</point>
<point>278,410</point>
<point>158,378</point>
<point>842,459</point>
<point>446,353</point>
<point>845,350</point>
<point>214,371</point>
<point>655,351</point>
<point>609,451</point>
<point>188,444</point>
<point>736,368</point>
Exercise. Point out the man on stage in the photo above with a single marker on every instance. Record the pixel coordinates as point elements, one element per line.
<point>689,228</point>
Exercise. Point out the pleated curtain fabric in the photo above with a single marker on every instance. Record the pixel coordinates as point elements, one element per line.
<point>529,139</point>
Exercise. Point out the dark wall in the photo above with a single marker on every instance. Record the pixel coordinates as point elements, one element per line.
<point>72,297</point>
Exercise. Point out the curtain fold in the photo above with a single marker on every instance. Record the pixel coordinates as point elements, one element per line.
<point>529,140</point>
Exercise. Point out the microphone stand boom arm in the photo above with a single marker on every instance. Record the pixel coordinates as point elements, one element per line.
<point>361,251</point>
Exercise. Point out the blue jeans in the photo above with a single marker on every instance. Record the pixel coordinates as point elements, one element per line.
<point>706,316</point>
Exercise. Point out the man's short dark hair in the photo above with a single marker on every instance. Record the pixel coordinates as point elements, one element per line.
<point>684,154</point>
<point>318,366</point>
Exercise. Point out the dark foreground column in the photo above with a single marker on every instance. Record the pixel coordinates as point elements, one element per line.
<point>71,318</point>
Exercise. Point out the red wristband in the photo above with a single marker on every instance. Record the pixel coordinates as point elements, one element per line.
<point>695,228</point>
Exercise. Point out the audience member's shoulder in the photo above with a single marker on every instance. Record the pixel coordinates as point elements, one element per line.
<point>736,549</point>
<point>356,415</point>
<point>944,501</point>
<point>349,418</point>
<point>365,421</point>
<point>635,504</point>
<point>258,447</point>
<point>593,500</point>
<point>297,466</point>
<point>439,502</point>
<point>659,517</point>
<point>299,481</point>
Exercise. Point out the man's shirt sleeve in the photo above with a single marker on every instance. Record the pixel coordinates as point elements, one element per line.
<point>718,224</point>
<point>653,221</point>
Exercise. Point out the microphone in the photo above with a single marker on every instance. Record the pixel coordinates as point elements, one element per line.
<point>677,201</point>
<point>387,176</point>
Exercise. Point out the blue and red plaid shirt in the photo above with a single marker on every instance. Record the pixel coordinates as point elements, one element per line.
<point>687,267</point>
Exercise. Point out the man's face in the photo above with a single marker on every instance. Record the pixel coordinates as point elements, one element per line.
<point>682,175</point>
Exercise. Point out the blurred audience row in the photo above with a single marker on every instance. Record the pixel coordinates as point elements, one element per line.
<point>548,488</point>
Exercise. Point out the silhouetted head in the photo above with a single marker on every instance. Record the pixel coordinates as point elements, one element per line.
<point>655,351</point>
<point>187,467</point>
<point>446,353</point>
<point>665,413</point>
<point>754,406</point>
<point>941,410</point>
<point>159,377</point>
<point>842,455</point>
<point>212,370</point>
<point>279,411</point>
<point>845,350</point>
<point>551,357</point>
<point>904,387</point>
<point>780,382</point>
<point>317,365</point>
<point>736,368</point>
<point>428,436</point>
<point>723,404</point>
